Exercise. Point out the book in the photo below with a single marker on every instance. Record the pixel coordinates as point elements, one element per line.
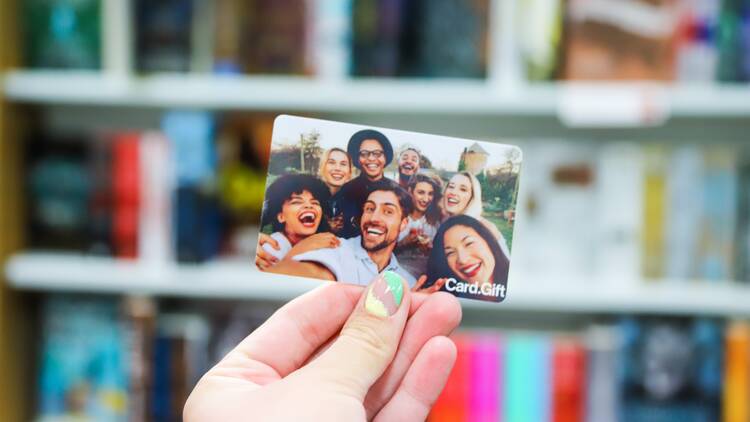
<point>452,39</point>
<point>603,344</point>
<point>276,37</point>
<point>101,202</point>
<point>659,381</point>
<point>83,371</point>
<point>654,209</point>
<point>716,253</point>
<point>376,35</point>
<point>453,402</point>
<point>58,193</point>
<point>737,373</point>
<point>684,208</point>
<point>620,40</point>
<point>139,324</point>
<point>527,378</point>
<point>156,188</point>
<point>196,216</point>
<point>619,204</point>
<point>329,27</point>
<point>62,34</point>
<point>568,380</point>
<point>163,35</point>
<point>126,189</point>
<point>485,378</point>
<point>231,18</point>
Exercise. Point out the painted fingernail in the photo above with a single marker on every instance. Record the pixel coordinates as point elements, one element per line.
<point>385,294</point>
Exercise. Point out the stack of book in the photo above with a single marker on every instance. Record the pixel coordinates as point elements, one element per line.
<point>105,359</point>
<point>663,40</point>
<point>180,193</point>
<point>635,370</point>
<point>628,211</point>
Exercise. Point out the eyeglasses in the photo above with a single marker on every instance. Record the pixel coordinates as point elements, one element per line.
<point>365,154</point>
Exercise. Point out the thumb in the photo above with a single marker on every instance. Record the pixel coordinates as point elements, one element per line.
<point>368,341</point>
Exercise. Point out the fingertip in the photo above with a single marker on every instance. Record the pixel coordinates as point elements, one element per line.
<point>445,310</point>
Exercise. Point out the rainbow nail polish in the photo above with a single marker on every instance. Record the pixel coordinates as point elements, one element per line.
<point>385,294</point>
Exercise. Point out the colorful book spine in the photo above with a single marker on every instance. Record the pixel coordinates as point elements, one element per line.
<point>619,201</point>
<point>684,206</point>
<point>527,379</point>
<point>737,373</point>
<point>654,189</point>
<point>568,381</point>
<point>155,234</point>
<point>452,405</point>
<point>718,229</point>
<point>126,191</point>
<point>376,33</point>
<point>485,378</point>
<point>602,394</point>
<point>330,32</point>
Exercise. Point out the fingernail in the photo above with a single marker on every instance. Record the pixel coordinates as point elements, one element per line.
<point>385,294</point>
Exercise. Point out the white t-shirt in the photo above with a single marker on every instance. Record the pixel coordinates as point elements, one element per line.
<point>284,246</point>
<point>350,263</point>
<point>420,225</point>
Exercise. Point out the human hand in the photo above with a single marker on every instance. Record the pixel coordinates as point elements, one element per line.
<point>336,223</point>
<point>436,286</point>
<point>263,259</point>
<point>314,242</point>
<point>302,365</point>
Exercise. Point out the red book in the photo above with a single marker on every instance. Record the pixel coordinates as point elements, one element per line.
<point>126,195</point>
<point>568,381</point>
<point>452,405</point>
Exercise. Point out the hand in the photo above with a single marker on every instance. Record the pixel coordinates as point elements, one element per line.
<point>314,242</point>
<point>336,223</point>
<point>409,240</point>
<point>263,259</point>
<point>436,286</point>
<point>302,365</point>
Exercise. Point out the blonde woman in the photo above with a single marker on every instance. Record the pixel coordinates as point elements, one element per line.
<point>463,196</point>
<point>335,171</point>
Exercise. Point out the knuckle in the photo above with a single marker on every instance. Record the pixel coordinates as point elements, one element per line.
<point>368,338</point>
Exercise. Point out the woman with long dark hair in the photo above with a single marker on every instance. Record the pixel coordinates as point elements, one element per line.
<point>467,260</point>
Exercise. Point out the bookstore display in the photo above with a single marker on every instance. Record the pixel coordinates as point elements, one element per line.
<point>164,189</point>
<point>662,40</point>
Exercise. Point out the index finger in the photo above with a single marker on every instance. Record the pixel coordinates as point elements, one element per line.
<point>294,332</point>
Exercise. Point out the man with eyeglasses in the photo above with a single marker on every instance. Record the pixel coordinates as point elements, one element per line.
<point>371,152</point>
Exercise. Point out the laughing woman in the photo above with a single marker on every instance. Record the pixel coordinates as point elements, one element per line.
<point>296,209</point>
<point>463,196</point>
<point>467,261</point>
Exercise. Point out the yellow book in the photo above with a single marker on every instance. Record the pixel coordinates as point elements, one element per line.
<point>654,192</point>
<point>736,401</point>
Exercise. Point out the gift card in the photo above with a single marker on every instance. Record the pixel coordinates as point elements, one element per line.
<point>346,202</point>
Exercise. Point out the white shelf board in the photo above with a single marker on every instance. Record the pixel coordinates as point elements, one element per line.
<point>237,279</point>
<point>452,96</point>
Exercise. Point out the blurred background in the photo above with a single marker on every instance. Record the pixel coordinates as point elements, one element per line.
<point>134,139</point>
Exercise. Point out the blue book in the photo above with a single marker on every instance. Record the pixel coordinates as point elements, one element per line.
<point>197,218</point>
<point>83,369</point>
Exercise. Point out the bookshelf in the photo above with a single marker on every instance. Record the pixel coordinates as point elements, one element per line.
<point>309,94</point>
<point>236,279</point>
<point>504,105</point>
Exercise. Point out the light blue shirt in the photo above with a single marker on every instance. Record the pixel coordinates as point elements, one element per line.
<point>350,263</point>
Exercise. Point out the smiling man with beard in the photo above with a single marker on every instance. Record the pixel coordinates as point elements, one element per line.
<point>359,259</point>
<point>408,166</point>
